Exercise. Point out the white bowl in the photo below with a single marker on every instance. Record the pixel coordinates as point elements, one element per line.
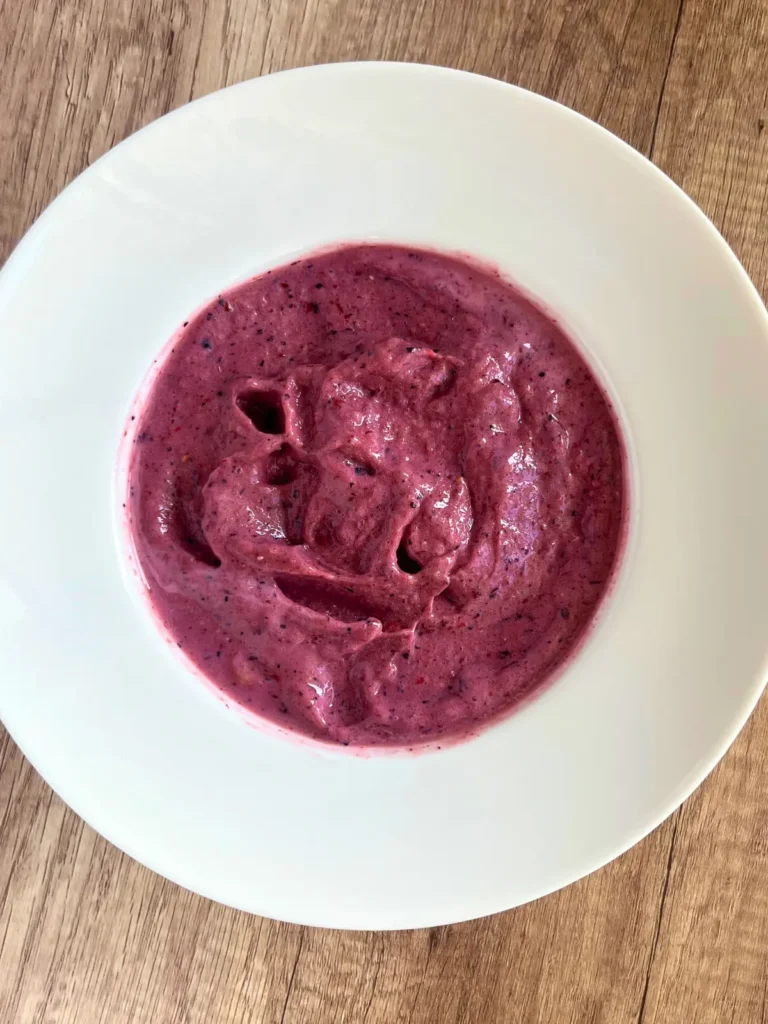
<point>242,180</point>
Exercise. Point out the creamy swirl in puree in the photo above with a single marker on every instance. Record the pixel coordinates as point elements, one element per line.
<point>377,495</point>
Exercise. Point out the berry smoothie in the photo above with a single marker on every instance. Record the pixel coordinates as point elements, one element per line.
<point>377,495</point>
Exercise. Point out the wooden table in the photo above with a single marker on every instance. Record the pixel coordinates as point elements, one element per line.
<point>676,931</point>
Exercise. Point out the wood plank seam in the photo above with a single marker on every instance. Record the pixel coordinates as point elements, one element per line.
<point>293,976</point>
<point>659,919</point>
<point>657,118</point>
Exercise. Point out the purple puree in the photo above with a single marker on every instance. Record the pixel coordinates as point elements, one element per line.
<point>377,495</point>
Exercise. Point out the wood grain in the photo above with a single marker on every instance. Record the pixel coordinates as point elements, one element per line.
<point>674,931</point>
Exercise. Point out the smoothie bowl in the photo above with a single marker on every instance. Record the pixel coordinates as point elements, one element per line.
<point>459,465</point>
<point>376,496</point>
